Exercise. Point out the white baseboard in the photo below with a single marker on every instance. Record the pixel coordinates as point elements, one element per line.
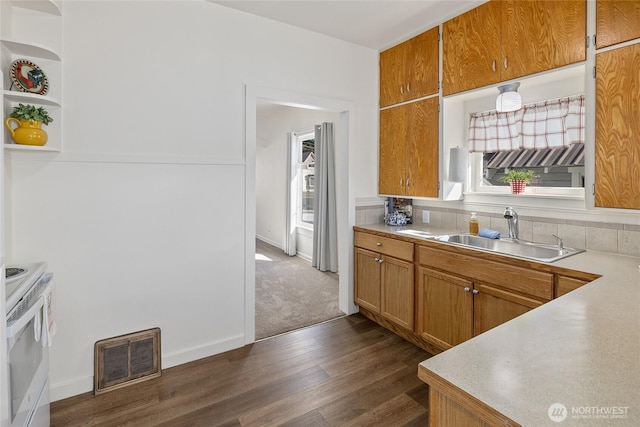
<point>269,241</point>
<point>70,388</point>
<point>304,256</point>
<point>210,349</point>
<point>81,385</point>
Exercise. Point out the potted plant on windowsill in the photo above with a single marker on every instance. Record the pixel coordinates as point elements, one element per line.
<point>518,179</point>
<point>29,120</point>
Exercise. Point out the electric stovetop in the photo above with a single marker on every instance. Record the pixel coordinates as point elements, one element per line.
<point>19,279</point>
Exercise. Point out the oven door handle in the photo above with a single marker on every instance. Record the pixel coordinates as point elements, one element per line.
<point>20,323</point>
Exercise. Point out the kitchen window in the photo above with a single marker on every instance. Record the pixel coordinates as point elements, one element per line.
<point>546,137</point>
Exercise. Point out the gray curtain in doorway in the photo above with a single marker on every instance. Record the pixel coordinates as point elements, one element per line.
<point>325,223</point>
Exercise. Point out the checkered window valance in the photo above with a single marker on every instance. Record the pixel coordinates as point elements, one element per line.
<point>549,124</point>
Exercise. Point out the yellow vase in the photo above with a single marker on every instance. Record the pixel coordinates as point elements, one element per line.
<point>27,132</point>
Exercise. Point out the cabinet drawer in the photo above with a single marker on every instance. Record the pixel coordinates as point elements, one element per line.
<point>524,280</point>
<point>384,245</point>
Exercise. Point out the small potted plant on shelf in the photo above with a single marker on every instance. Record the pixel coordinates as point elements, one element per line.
<point>29,120</point>
<point>518,179</point>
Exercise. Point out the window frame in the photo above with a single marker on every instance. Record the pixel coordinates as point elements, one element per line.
<point>300,138</point>
<point>457,110</point>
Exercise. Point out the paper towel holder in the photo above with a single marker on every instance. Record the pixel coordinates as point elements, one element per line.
<point>458,164</point>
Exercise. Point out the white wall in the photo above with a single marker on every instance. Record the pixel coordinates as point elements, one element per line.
<point>142,217</point>
<point>273,122</point>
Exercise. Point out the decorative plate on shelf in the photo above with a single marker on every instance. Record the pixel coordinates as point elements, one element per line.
<point>28,77</point>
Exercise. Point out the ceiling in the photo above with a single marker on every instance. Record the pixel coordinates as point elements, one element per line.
<point>373,24</point>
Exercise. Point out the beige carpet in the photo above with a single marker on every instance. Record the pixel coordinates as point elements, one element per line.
<point>290,294</point>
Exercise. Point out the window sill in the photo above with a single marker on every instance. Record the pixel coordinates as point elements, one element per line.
<point>305,227</point>
<point>528,199</point>
<point>526,195</point>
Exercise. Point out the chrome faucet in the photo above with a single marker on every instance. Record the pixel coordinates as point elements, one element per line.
<point>512,221</point>
<point>559,241</point>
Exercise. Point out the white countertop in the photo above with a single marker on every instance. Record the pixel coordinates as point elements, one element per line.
<point>581,350</point>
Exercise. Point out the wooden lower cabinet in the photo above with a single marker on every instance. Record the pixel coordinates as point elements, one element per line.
<point>450,406</point>
<point>565,284</point>
<point>493,307</point>
<point>446,412</point>
<point>445,308</point>
<point>385,285</point>
<point>453,309</point>
<point>397,291</point>
<point>367,279</point>
<point>438,296</point>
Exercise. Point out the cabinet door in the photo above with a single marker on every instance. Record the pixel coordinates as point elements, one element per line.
<point>409,149</point>
<point>393,74</point>
<point>567,284</point>
<point>493,307</point>
<point>423,62</point>
<point>445,308</point>
<point>617,128</point>
<point>617,21</point>
<point>392,153</point>
<point>397,287</point>
<point>541,35</point>
<point>422,148</point>
<point>409,70</point>
<point>471,49</point>
<point>367,279</point>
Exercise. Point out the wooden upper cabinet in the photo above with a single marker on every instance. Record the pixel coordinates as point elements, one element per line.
<point>504,40</point>
<point>541,35</point>
<point>408,162</point>
<point>617,128</point>
<point>393,151</point>
<point>409,70</point>
<point>617,21</point>
<point>471,49</point>
<point>422,149</point>
<point>393,75</point>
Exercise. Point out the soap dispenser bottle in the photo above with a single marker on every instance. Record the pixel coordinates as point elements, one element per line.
<point>473,224</point>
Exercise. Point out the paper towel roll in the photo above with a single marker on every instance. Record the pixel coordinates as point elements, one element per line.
<point>458,161</point>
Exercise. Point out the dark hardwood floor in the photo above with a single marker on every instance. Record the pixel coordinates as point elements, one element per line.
<point>346,372</point>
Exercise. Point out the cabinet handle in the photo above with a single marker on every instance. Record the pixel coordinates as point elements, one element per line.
<point>402,89</point>
<point>380,260</point>
<point>476,292</point>
<point>467,289</point>
<point>493,65</point>
<point>378,244</point>
<point>376,259</point>
<point>505,63</point>
<point>401,186</point>
<point>408,182</point>
<point>408,88</point>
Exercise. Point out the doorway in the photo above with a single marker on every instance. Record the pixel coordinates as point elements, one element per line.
<point>345,203</point>
<point>290,293</point>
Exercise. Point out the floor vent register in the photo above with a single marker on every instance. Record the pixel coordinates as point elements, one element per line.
<point>126,359</point>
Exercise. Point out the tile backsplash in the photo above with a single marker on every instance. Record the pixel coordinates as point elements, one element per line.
<point>603,237</point>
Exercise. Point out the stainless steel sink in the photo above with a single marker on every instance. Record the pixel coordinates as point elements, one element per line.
<point>517,248</point>
<point>418,233</point>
